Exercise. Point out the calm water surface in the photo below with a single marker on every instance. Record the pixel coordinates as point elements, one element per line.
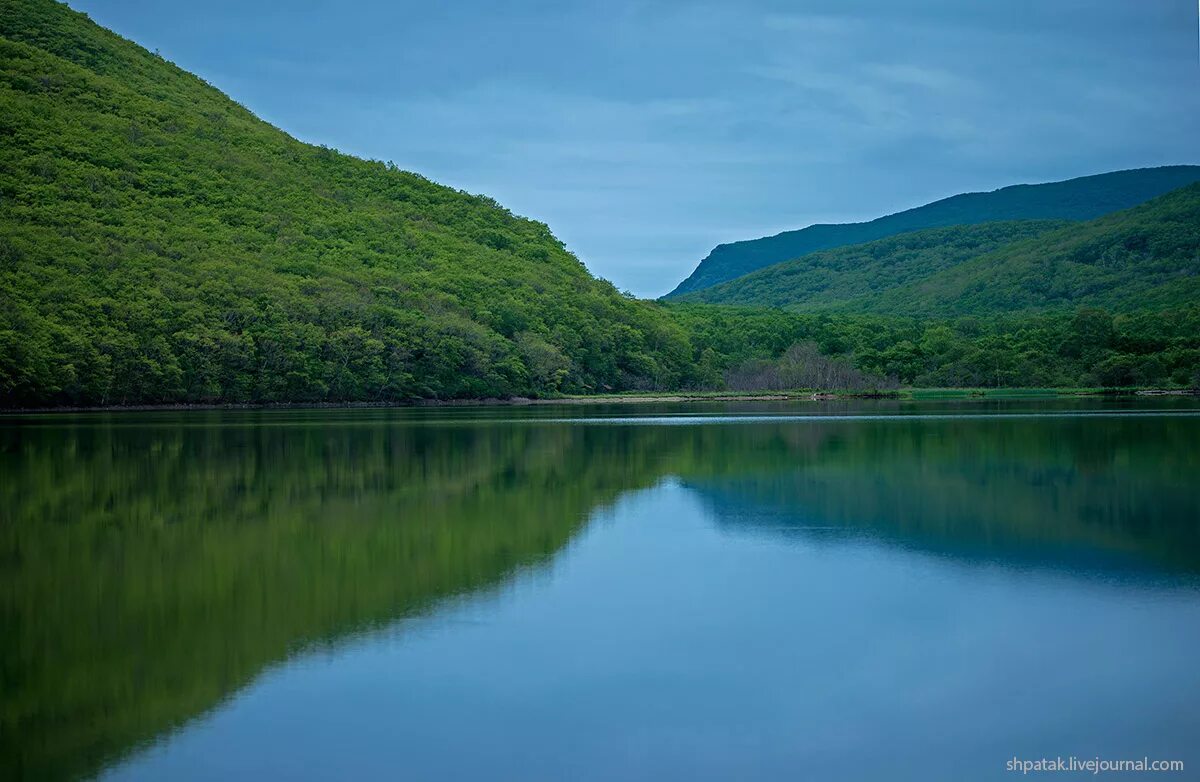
<point>909,591</point>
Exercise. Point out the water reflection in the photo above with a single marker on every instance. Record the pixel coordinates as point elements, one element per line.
<point>1112,496</point>
<point>152,569</point>
<point>152,565</point>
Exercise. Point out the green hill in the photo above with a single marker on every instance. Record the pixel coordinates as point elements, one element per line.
<point>851,276</point>
<point>1144,257</point>
<point>1074,199</point>
<point>1147,257</point>
<point>159,243</point>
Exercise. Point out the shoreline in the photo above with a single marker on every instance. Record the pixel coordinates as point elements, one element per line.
<point>638,398</point>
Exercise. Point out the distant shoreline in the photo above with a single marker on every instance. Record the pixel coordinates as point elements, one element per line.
<point>641,398</point>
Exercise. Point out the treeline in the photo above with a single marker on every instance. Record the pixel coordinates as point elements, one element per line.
<point>700,347</point>
<point>803,366</point>
<point>1085,348</point>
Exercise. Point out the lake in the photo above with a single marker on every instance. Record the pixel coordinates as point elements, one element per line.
<point>847,590</point>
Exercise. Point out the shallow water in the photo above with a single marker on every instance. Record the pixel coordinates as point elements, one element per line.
<point>852,590</point>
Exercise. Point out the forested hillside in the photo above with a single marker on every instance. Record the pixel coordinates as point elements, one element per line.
<point>1147,257</point>
<point>850,277</point>
<point>1144,257</point>
<point>1060,348</point>
<point>159,243</point>
<point>1083,198</point>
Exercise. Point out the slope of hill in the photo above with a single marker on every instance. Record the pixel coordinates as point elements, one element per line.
<point>1147,257</point>
<point>1083,198</point>
<point>1144,257</point>
<point>159,243</point>
<point>848,277</point>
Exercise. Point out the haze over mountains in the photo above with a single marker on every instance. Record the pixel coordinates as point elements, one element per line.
<point>1083,198</point>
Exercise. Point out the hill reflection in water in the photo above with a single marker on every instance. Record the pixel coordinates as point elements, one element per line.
<point>154,564</point>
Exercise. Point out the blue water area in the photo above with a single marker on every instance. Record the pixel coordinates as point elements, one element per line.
<point>864,591</point>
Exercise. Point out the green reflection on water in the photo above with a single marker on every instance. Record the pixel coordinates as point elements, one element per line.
<point>152,565</point>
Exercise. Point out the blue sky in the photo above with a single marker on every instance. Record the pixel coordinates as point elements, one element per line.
<point>644,133</point>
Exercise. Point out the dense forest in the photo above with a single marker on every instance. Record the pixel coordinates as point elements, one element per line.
<point>1080,348</point>
<point>1147,257</point>
<point>999,304</point>
<point>1083,198</point>
<point>159,244</point>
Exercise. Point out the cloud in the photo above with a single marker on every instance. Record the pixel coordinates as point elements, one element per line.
<point>812,24</point>
<point>928,78</point>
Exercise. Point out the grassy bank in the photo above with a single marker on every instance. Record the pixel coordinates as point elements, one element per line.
<point>905,393</point>
<point>661,397</point>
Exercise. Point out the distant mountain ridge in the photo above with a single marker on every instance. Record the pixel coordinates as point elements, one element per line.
<point>1083,198</point>
<point>1144,257</point>
<point>849,277</point>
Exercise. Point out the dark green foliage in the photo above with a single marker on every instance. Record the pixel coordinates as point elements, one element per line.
<point>851,277</point>
<point>982,306</point>
<point>804,366</point>
<point>158,243</point>
<point>1084,348</point>
<point>1145,257</point>
<point>1074,199</point>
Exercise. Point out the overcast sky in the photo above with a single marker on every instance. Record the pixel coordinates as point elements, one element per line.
<point>644,133</point>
